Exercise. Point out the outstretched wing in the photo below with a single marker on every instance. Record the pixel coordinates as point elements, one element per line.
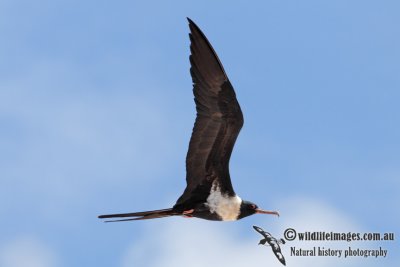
<point>261,231</point>
<point>277,251</point>
<point>218,123</point>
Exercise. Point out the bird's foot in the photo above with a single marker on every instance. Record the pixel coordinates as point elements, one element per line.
<point>187,212</point>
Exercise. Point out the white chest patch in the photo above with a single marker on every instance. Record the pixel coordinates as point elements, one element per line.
<point>228,208</point>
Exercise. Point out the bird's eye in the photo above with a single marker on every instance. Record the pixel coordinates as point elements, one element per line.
<point>252,206</point>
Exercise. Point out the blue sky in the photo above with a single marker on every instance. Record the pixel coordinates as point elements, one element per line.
<point>96,112</point>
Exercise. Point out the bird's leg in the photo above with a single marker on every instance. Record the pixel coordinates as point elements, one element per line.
<point>187,213</point>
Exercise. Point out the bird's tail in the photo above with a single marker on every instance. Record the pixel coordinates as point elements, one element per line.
<point>144,215</point>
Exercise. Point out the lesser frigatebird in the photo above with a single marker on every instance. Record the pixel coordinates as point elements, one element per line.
<point>209,193</point>
<point>273,242</point>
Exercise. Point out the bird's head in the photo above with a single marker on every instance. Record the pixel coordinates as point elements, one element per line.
<point>262,241</point>
<point>248,208</point>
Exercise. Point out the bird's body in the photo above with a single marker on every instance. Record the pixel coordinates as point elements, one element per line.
<point>209,193</point>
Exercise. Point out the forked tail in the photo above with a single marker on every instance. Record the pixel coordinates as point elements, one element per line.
<point>144,215</point>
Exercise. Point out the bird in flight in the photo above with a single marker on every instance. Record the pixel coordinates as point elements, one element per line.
<point>209,193</point>
<point>273,242</point>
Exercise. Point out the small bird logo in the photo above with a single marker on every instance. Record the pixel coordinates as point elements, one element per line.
<point>273,242</point>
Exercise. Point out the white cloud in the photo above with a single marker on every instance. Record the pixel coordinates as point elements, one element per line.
<point>179,242</point>
<point>27,252</point>
<point>314,214</point>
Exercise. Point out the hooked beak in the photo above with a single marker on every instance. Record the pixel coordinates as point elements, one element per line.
<point>260,211</point>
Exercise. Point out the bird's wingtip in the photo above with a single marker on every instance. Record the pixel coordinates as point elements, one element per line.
<point>192,25</point>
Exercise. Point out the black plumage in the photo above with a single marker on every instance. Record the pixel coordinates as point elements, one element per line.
<point>209,193</point>
<point>218,122</point>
